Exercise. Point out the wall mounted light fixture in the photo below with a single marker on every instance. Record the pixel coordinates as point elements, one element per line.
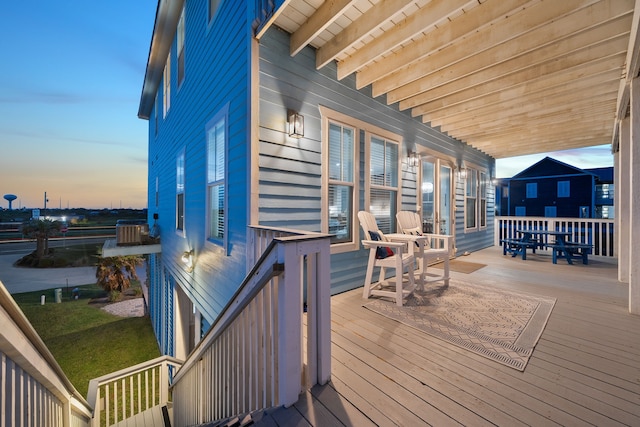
<point>187,259</point>
<point>295,124</point>
<point>413,160</point>
<point>462,170</point>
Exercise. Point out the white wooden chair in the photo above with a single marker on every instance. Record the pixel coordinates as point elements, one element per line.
<point>385,254</point>
<point>437,247</point>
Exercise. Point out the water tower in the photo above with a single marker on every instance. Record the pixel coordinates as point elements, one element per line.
<point>10,198</point>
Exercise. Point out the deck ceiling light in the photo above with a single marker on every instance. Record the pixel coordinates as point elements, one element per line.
<point>295,124</point>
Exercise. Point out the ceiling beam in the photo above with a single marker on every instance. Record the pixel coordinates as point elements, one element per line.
<point>559,77</point>
<point>360,28</point>
<point>539,88</point>
<point>402,32</point>
<point>488,82</point>
<point>536,104</point>
<point>608,35</point>
<point>544,42</point>
<point>574,120</point>
<point>476,19</point>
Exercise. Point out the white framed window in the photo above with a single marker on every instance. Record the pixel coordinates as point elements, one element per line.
<point>217,141</point>
<point>166,87</point>
<point>471,200</point>
<point>180,181</point>
<point>476,187</point>
<point>383,178</point>
<point>483,200</point>
<point>342,137</point>
<point>340,185</point>
<point>341,149</point>
<point>180,42</point>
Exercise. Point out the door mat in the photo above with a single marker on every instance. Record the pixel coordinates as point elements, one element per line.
<point>460,266</point>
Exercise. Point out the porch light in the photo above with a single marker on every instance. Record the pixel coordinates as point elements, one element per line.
<point>413,160</point>
<point>187,259</point>
<point>295,124</point>
<point>462,170</point>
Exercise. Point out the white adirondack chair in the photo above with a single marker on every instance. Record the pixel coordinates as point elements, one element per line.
<point>437,247</point>
<point>379,256</point>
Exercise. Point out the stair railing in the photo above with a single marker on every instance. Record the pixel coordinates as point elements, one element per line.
<point>253,357</point>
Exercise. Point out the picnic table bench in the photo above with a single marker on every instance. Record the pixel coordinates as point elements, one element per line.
<point>570,250</point>
<point>561,247</point>
<point>518,246</point>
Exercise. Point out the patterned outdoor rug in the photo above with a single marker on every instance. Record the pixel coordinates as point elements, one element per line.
<point>501,325</point>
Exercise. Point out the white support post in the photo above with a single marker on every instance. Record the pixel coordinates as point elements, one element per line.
<point>312,320</point>
<point>622,196</point>
<point>634,181</point>
<point>289,328</point>
<point>323,304</point>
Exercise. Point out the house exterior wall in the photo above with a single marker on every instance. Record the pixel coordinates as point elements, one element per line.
<point>216,79</point>
<point>581,194</point>
<point>592,189</point>
<point>290,189</point>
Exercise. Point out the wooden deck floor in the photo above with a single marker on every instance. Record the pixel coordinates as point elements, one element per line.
<point>585,369</point>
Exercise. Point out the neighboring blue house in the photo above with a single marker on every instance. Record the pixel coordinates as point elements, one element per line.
<point>222,157</point>
<point>551,188</point>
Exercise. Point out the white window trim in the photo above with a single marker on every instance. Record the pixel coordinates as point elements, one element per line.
<point>180,42</point>
<point>478,170</point>
<point>389,137</point>
<point>166,87</point>
<point>328,116</point>
<point>482,180</point>
<point>217,244</point>
<point>181,232</point>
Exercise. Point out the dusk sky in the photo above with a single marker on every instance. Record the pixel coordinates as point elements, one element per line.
<point>70,85</point>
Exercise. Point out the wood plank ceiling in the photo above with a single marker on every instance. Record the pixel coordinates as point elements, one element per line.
<point>508,77</point>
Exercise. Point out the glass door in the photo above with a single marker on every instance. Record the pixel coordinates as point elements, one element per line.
<point>436,197</point>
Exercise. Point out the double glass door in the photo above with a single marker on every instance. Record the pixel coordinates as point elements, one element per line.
<point>436,197</point>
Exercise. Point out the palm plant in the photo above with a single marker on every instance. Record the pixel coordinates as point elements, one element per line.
<point>41,230</point>
<point>115,273</point>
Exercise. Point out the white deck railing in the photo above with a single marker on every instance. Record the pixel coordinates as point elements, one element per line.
<point>33,388</point>
<point>130,391</point>
<point>256,355</point>
<point>597,232</point>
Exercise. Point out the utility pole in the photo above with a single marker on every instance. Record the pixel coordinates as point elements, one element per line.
<point>45,200</point>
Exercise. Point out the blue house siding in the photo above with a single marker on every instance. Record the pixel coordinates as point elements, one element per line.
<point>291,170</point>
<point>216,77</point>
<point>561,188</point>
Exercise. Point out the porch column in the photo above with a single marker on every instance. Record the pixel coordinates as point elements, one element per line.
<point>622,196</point>
<point>634,206</point>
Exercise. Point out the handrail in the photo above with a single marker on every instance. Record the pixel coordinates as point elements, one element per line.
<point>598,232</point>
<point>266,268</point>
<point>20,343</point>
<point>123,394</point>
<point>252,357</point>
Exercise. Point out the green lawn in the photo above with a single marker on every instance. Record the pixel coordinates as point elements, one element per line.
<point>88,342</point>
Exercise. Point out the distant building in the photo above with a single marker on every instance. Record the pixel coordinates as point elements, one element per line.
<point>551,188</point>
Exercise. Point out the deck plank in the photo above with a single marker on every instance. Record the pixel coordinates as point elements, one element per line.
<point>585,369</point>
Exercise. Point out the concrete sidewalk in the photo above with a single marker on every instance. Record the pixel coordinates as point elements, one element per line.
<point>19,280</point>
